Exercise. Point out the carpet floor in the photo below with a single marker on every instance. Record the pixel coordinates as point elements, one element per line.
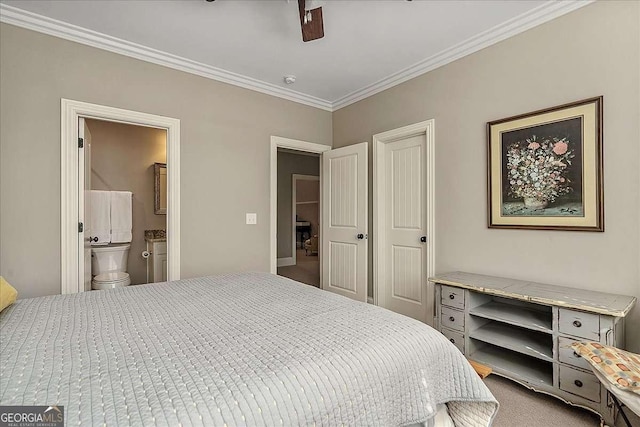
<point>306,270</point>
<point>522,407</point>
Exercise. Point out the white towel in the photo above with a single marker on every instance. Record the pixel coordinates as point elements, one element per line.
<point>100,217</point>
<point>121,221</point>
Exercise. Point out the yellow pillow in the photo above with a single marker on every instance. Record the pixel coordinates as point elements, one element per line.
<point>8,294</point>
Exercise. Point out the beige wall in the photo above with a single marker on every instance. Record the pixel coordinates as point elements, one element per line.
<point>225,131</point>
<point>122,159</point>
<point>593,51</point>
<point>289,164</point>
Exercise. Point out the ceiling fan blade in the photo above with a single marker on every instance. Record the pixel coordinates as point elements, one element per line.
<point>313,29</point>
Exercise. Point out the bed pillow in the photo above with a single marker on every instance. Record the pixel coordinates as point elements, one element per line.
<point>620,367</point>
<point>8,294</point>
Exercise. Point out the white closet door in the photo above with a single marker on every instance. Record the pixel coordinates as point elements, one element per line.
<point>404,284</point>
<point>344,227</point>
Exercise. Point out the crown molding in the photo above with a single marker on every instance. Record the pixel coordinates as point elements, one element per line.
<point>537,16</point>
<point>42,24</point>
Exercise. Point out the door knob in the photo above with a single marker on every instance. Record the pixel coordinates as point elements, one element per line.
<point>360,236</point>
<point>423,239</point>
<point>93,239</point>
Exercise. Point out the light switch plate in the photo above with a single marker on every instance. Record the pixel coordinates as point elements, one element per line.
<point>252,218</point>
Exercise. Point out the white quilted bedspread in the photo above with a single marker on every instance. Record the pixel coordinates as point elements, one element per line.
<point>240,349</point>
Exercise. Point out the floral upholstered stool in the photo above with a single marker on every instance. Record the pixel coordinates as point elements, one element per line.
<point>617,370</point>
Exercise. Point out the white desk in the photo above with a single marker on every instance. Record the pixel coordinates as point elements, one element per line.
<point>523,331</point>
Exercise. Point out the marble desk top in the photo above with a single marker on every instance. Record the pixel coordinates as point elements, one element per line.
<point>580,299</point>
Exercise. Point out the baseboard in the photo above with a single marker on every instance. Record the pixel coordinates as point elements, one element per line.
<point>285,262</point>
<point>370,300</point>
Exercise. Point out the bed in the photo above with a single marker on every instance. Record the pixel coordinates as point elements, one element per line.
<point>238,349</point>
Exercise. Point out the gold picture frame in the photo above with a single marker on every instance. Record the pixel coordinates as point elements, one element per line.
<point>545,169</point>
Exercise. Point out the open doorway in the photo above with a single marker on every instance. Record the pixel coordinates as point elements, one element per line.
<point>76,248</point>
<point>126,208</point>
<point>299,216</point>
<point>342,237</point>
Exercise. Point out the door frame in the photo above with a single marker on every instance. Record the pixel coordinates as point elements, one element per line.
<point>71,111</point>
<point>426,128</point>
<point>296,145</point>
<point>294,208</point>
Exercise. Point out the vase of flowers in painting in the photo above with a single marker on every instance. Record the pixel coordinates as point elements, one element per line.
<point>537,170</point>
<point>532,203</point>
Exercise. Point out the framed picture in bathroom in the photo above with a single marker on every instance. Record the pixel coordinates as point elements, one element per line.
<point>160,188</point>
<point>545,169</point>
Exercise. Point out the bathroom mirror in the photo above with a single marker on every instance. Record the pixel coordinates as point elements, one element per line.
<point>160,187</point>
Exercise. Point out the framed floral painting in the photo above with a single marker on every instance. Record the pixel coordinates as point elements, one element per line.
<point>545,169</point>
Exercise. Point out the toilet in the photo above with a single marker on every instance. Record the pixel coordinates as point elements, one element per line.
<point>109,266</point>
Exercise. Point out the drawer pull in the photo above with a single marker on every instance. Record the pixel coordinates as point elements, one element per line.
<point>451,318</point>
<point>452,341</point>
<point>576,355</point>
<point>452,296</point>
<point>577,323</point>
<point>578,383</point>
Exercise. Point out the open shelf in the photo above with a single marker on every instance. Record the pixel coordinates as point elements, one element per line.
<point>515,365</point>
<point>524,317</point>
<point>520,340</point>
<point>520,329</point>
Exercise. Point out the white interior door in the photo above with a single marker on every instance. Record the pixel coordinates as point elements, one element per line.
<point>403,285</point>
<point>84,199</point>
<point>344,223</point>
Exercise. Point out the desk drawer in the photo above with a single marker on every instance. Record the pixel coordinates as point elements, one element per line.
<point>570,357</point>
<point>579,383</point>
<point>453,319</point>
<point>455,337</point>
<point>579,324</point>
<point>452,297</point>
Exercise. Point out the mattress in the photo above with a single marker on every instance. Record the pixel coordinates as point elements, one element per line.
<point>238,349</point>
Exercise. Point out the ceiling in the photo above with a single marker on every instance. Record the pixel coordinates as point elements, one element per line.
<point>368,45</point>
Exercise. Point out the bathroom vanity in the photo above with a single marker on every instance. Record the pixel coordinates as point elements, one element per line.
<point>157,260</point>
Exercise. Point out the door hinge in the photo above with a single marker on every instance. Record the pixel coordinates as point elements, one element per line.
<point>80,142</point>
<point>80,227</point>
